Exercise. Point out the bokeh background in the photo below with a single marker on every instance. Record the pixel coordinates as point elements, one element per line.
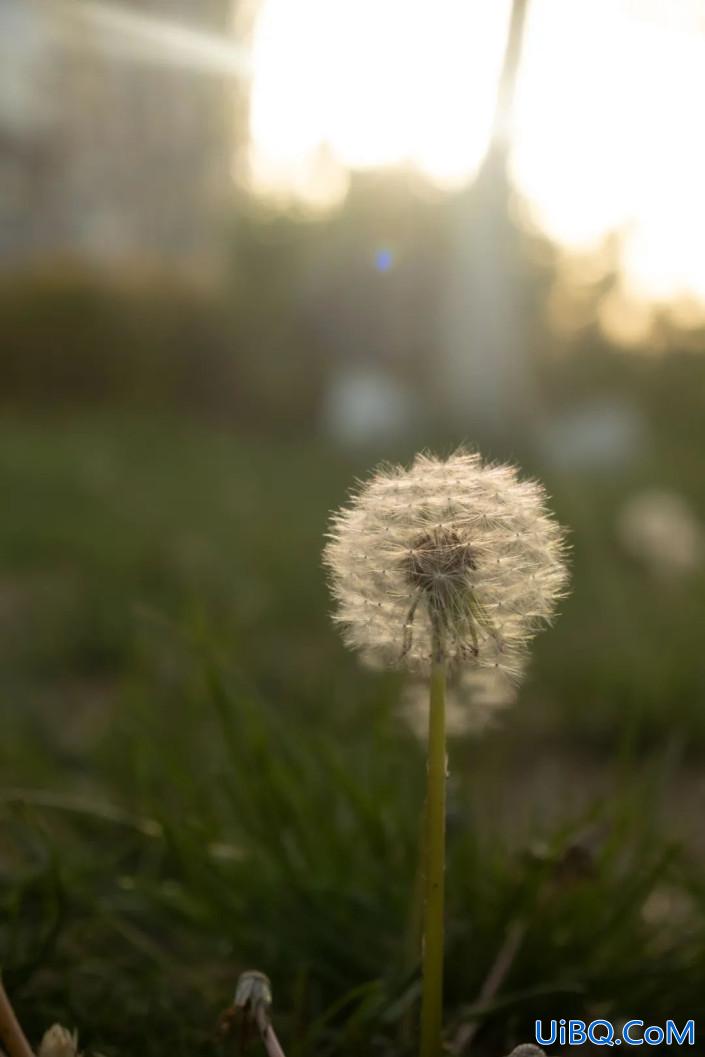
<point>246,252</point>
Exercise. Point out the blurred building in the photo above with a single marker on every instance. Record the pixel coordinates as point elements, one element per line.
<point>116,128</point>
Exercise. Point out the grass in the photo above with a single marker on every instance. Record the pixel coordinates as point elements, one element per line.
<point>198,779</point>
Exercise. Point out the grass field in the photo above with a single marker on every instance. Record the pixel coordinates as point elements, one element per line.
<point>198,779</point>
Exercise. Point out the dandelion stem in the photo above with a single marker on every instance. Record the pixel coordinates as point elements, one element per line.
<point>432,959</point>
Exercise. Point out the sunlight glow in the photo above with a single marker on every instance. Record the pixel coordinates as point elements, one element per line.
<point>606,152</point>
<point>129,34</point>
<point>607,142</point>
<point>344,85</point>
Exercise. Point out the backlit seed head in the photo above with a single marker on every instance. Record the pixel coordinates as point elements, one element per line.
<point>454,556</point>
<point>438,556</point>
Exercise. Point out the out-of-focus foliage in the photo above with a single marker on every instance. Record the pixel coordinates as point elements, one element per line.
<point>254,343</point>
<point>197,778</point>
<point>152,340</point>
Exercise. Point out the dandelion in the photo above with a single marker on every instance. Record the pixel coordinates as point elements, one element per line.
<point>453,557</point>
<point>451,565</point>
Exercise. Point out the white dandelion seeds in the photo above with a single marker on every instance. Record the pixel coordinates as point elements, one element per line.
<point>454,558</point>
<point>446,568</point>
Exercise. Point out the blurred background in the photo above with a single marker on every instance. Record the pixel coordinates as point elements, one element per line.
<point>247,250</point>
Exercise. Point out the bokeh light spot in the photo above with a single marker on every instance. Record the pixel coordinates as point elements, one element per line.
<point>384,259</point>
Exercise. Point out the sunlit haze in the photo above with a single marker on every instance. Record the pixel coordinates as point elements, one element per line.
<point>341,84</point>
<point>605,137</point>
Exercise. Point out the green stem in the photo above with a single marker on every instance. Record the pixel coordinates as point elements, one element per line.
<point>432,984</point>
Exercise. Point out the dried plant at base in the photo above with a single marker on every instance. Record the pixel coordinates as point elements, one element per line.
<point>249,1014</point>
<point>58,1042</point>
<point>455,552</point>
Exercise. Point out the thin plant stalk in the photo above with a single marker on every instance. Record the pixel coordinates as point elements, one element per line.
<point>253,1002</point>
<point>432,955</point>
<point>269,1039</point>
<point>498,973</point>
<point>13,1038</point>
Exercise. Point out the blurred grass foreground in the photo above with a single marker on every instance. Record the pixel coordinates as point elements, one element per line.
<point>196,779</point>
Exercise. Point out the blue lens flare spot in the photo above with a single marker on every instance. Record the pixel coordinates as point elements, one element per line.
<point>384,259</point>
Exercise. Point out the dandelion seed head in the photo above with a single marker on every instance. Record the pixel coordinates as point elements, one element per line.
<point>454,551</point>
